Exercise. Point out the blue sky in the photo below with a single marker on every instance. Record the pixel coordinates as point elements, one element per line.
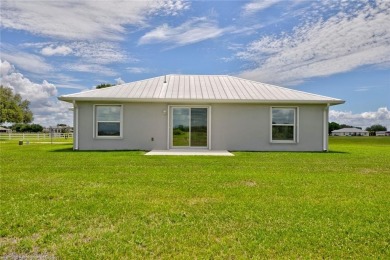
<point>334,48</point>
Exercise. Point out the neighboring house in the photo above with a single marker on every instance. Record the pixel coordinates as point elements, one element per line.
<point>5,130</point>
<point>215,112</point>
<point>382,133</point>
<point>350,132</point>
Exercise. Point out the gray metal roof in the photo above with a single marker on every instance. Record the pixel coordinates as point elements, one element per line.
<point>349,130</point>
<point>199,88</point>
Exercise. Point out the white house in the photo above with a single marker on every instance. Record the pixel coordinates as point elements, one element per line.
<point>382,133</point>
<point>214,112</point>
<point>350,132</point>
<point>5,130</point>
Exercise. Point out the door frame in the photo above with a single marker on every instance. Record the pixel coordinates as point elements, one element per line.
<point>170,127</point>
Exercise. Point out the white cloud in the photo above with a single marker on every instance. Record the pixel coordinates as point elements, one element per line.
<point>258,5</point>
<point>26,61</point>
<point>137,70</point>
<point>99,52</point>
<point>91,57</point>
<point>6,68</point>
<point>171,7</point>
<point>23,86</point>
<point>70,86</point>
<point>83,20</point>
<point>91,68</point>
<point>65,81</point>
<point>366,119</point>
<point>363,88</point>
<point>119,81</point>
<point>59,50</point>
<point>46,108</point>
<point>195,30</point>
<point>55,112</point>
<point>341,43</point>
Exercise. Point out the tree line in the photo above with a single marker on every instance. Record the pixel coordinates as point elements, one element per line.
<point>27,128</point>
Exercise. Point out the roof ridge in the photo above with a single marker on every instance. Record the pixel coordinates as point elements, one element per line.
<point>177,74</point>
<point>140,80</point>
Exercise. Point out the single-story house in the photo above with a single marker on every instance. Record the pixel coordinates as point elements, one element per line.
<point>382,133</point>
<point>214,112</point>
<point>350,132</point>
<point>5,130</point>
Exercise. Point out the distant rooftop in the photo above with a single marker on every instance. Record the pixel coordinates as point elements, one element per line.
<point>349,130</point>
<point>200,88</point>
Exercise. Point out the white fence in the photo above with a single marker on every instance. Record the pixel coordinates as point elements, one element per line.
<point>35,136</point>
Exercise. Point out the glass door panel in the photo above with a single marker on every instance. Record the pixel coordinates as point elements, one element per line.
<point>198,127</point>
<point>180,126</point>
<point>189,127</point>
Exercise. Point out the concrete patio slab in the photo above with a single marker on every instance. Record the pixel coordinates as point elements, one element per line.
<point>190,152</point>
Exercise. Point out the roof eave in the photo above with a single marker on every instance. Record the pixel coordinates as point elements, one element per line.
<point>232,101</point>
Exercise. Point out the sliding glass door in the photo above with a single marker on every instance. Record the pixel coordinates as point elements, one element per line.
<point>189,127</point>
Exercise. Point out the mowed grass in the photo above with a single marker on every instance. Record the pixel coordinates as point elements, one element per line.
<point>60,203</point>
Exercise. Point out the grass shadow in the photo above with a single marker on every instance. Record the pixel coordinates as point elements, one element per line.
<point>70,150</point>
<point>293,152</point>
<point>62,150</point>
<point>341,152</point>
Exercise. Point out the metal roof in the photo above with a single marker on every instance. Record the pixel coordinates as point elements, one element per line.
<point>349,130</point>
<point>199,88</point>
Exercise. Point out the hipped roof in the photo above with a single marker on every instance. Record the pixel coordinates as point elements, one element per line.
<point>199,89</point>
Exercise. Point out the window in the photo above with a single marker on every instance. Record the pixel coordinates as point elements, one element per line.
<point>284,124</point>
<point>108,120</point>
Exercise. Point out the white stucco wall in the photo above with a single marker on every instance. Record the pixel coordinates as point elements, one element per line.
<point>141,123</point>
<point>247,127</point>
<point>234,127</point>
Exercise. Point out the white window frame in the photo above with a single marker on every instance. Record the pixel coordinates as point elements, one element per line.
<point>295,125</point>
<point>170,122</point>
<point>95,122</point>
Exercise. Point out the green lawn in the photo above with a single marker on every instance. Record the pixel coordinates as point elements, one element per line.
<point>56,202</point>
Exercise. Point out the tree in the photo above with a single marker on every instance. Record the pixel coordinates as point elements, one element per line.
<point>104,85</point>
<point>333,126</point>
<point>375,128</point>
<point>350,126</point>
<point>19,127</point>
<point>34,128</point>
<point>13,109</point>
<point>64,128</point>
